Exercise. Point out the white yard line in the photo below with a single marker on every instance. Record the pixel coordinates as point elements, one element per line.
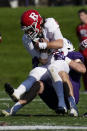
<point>83,92</point>
<point>5,99</point>
<point>8,99</point>
<point>42,127</point>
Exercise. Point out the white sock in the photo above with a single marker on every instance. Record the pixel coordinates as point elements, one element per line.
<point>24,87</point>
<point>19,91</point>
<point>58,86</point>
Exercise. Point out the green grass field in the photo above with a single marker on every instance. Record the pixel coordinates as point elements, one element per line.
<point>15,64</point>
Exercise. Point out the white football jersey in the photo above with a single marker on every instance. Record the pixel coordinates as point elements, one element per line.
<point>51,30</point>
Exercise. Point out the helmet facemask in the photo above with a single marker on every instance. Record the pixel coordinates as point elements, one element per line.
<point>31,31</point>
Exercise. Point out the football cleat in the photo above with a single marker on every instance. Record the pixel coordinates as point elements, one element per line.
<point>61,110</point>
<point>6,112</point>
<point>74,112</point>
<point>85,114</point>
<point>10,91</point>
<point>73,107</point>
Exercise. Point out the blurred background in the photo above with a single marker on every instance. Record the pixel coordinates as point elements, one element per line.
<point>16,3</point>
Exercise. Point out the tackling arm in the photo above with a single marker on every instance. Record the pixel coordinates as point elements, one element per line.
<point>78,66</point>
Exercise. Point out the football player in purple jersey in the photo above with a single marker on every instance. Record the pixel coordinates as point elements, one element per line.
<point>47,92</point>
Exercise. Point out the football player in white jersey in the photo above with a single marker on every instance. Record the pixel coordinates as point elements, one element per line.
<point>33,25</point>
<point>54,40</point>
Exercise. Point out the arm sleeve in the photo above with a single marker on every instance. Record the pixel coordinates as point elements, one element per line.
<point>75,55</point>
<point>28,44</point>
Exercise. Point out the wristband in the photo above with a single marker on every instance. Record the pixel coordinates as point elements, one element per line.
<point>68,60</point>
<point>42,45</point>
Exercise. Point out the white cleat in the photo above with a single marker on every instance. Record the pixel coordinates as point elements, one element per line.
<point>74,112</point>
<point>5,113</point>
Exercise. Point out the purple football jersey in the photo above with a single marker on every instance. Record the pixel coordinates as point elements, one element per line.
<point>75,76</point>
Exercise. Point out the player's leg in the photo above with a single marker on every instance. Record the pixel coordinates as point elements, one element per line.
<point>71,98</point>
<point>49,95</point>
<point>76,88</point>
<point>27,97</point>
<point>15,94</point>
<point>57,81</point>
<point>35,75</point>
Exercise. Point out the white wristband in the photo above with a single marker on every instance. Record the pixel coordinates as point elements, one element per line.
<point>42,45</point>
<point>68,60</point>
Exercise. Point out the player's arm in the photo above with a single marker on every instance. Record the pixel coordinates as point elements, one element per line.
<point>57,37</point>
<point>77,65</point>
<point>57,44</point>
<point>58,40</point>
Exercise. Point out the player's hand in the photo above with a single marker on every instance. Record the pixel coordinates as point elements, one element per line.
<point>36,45</point>
<point>41,44</point>
<point>43,40</point>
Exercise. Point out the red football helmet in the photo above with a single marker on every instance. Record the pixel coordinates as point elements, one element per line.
<point>31,21</point>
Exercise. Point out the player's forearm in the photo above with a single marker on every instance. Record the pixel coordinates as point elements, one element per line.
<point>57,44</point>
<point>79,67</point>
